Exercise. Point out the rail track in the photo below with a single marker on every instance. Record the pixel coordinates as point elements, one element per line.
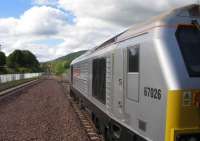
<point>40,112</point>
<point>17,89</point>
<point>84,118</point>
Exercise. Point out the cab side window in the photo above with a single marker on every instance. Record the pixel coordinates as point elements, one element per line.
<point>133,59</point>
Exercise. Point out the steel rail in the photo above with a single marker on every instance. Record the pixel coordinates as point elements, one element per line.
<point>19,88</point>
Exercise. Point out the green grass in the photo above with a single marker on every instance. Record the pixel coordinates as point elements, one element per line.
<point>11,84</point>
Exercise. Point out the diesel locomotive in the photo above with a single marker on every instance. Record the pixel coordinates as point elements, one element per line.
<point>144,84</point>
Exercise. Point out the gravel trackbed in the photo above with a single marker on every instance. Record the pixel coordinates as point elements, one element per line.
<point>40,113</point>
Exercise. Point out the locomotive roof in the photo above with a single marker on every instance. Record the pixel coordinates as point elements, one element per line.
<point>192,10</point>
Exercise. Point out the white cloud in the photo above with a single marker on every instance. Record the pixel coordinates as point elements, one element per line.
<point>125,12</point>
<point>7,26</point>
<point>39,22</point>
<point>95,21</point>
<point>42,21</point>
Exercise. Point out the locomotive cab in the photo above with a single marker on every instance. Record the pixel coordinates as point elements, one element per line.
<point>183,111</point>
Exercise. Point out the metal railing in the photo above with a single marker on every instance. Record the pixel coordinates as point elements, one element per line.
<point>13,77</point>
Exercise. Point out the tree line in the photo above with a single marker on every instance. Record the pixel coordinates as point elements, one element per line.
<point>19,61</point>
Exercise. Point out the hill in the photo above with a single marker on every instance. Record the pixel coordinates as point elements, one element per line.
<point>61,65</point>
<point>70,57</point>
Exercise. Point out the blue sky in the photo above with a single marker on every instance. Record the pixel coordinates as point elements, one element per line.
<point>50,43</point>
<point>14,8</point>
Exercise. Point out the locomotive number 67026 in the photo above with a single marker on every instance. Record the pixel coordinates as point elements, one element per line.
<point>153,93</point>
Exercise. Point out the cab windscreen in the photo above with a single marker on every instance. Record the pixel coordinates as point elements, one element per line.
<point>188,38</point>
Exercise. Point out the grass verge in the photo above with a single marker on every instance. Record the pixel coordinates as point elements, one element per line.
<point>11,84</point>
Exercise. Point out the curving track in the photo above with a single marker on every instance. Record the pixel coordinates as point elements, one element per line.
<point>40,113</point>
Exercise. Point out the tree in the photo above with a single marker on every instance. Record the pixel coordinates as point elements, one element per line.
<point>23,59</point>
<point>15,59</point>
<point>2,59</point>
<point>29,60</point>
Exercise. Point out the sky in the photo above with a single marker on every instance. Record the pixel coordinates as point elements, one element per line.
<point>54,28</point>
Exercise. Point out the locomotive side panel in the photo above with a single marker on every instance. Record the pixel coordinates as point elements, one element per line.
<point>153,92</point>
<point>139,116</point>
<point>142,113</point>
<point>81,77</point>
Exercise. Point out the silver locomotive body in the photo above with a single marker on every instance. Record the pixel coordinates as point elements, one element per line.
<point>143,83</point>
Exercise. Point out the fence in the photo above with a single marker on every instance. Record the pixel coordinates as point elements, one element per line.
<point>13,77</point>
